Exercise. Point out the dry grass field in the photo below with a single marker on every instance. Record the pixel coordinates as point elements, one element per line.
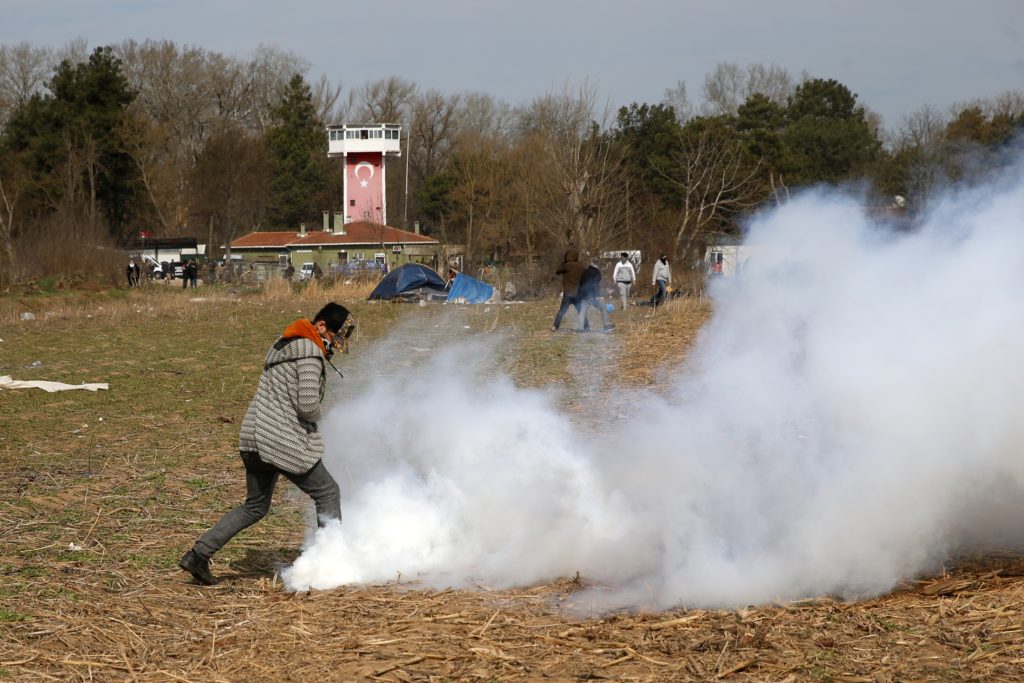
<point>102,492</point>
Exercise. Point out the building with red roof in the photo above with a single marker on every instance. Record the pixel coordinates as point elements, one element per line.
<point>350,246</point>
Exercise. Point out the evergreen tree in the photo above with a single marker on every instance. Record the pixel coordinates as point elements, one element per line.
<point>650,134</point>
<point>298,151</point>
<point>760,122</point>
<point>71,139</point>
<point>437,196</point>
<point>827,138</point>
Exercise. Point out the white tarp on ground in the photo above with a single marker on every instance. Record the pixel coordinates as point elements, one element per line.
<point>7,383</point>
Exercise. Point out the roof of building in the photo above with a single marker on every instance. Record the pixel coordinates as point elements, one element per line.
<point>265,239</point>
<point>357,232</point>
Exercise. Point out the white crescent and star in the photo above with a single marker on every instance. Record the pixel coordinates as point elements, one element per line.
<point>361,165</point>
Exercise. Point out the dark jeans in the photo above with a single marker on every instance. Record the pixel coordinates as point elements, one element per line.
<point>662,292</point>
<point>567,301</point>
<point>260,479</point>
<point>593,302</point>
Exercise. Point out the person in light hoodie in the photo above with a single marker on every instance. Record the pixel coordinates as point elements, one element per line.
<point>624,275</point>
<point>661,277</point>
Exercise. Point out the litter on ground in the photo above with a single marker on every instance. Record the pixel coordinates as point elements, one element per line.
<point>6,382</point>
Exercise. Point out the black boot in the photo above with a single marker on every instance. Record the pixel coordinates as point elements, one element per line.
<point>198,567</point>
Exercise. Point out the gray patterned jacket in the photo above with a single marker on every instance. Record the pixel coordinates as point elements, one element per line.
<point>280,425</point>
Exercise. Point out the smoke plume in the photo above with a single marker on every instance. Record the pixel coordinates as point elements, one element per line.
<point>848,419</point>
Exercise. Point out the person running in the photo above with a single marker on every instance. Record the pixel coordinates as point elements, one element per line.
<point>279,435</point>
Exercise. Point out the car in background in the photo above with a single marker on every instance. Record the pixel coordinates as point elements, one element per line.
<point>305,272</point>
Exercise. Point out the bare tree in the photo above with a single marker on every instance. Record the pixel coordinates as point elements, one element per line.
<point>677,98</point>
<point>485,115</point>
<point>506,225</point>
<point>484,193</point>
<point>188,94</point>
<point>922,128</point>
<point>180,89</point>
<point>23,73</point>
<point>921,142</point>
<point>193,90</point>
<point>382,101</point>
<point>432,129</point>
<point>162,167</point>
<point>1009,104</point>
<point>590,170</point>
<point>13,185</point>
<point>723,89</point>
<point>580,175</point>
<point>729,85</point>
<point>770,80</point>
<point>525,220</point>
<point>74,192</point>
<point>74,51</point>
<point>567,113</point>
<point>714,181</point>
<point>230,183</point>
<point>326,96</point>
<point>268,74</point>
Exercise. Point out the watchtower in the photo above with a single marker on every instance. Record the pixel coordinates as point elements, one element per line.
<point>364,146</point>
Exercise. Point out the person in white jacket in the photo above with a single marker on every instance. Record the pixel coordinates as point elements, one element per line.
<point>661,278</point>
<point>624,275</point>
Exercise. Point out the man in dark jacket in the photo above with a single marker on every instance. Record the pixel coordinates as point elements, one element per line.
<point>571,271</point>
<point>189,273</point>
<point>279,432</point>
<point>590,296</point>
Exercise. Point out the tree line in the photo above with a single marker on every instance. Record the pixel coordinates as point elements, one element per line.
<point>178,140</point>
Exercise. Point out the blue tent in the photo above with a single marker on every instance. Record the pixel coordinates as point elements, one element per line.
<point>468,290</point>
<point>411,280</point>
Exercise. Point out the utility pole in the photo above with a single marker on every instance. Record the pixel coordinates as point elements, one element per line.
<point>629,228</point>
<point>405,203</point>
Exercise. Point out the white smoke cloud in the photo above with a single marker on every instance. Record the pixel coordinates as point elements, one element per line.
<point>848,419</point>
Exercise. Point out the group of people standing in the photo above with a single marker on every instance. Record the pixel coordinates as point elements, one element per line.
<point>581,286</point>
<point>189,272</point>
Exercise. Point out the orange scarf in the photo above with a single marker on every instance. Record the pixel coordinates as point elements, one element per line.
<point>304,328</point>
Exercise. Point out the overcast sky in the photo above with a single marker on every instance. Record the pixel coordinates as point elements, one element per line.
<point>896,55</point>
